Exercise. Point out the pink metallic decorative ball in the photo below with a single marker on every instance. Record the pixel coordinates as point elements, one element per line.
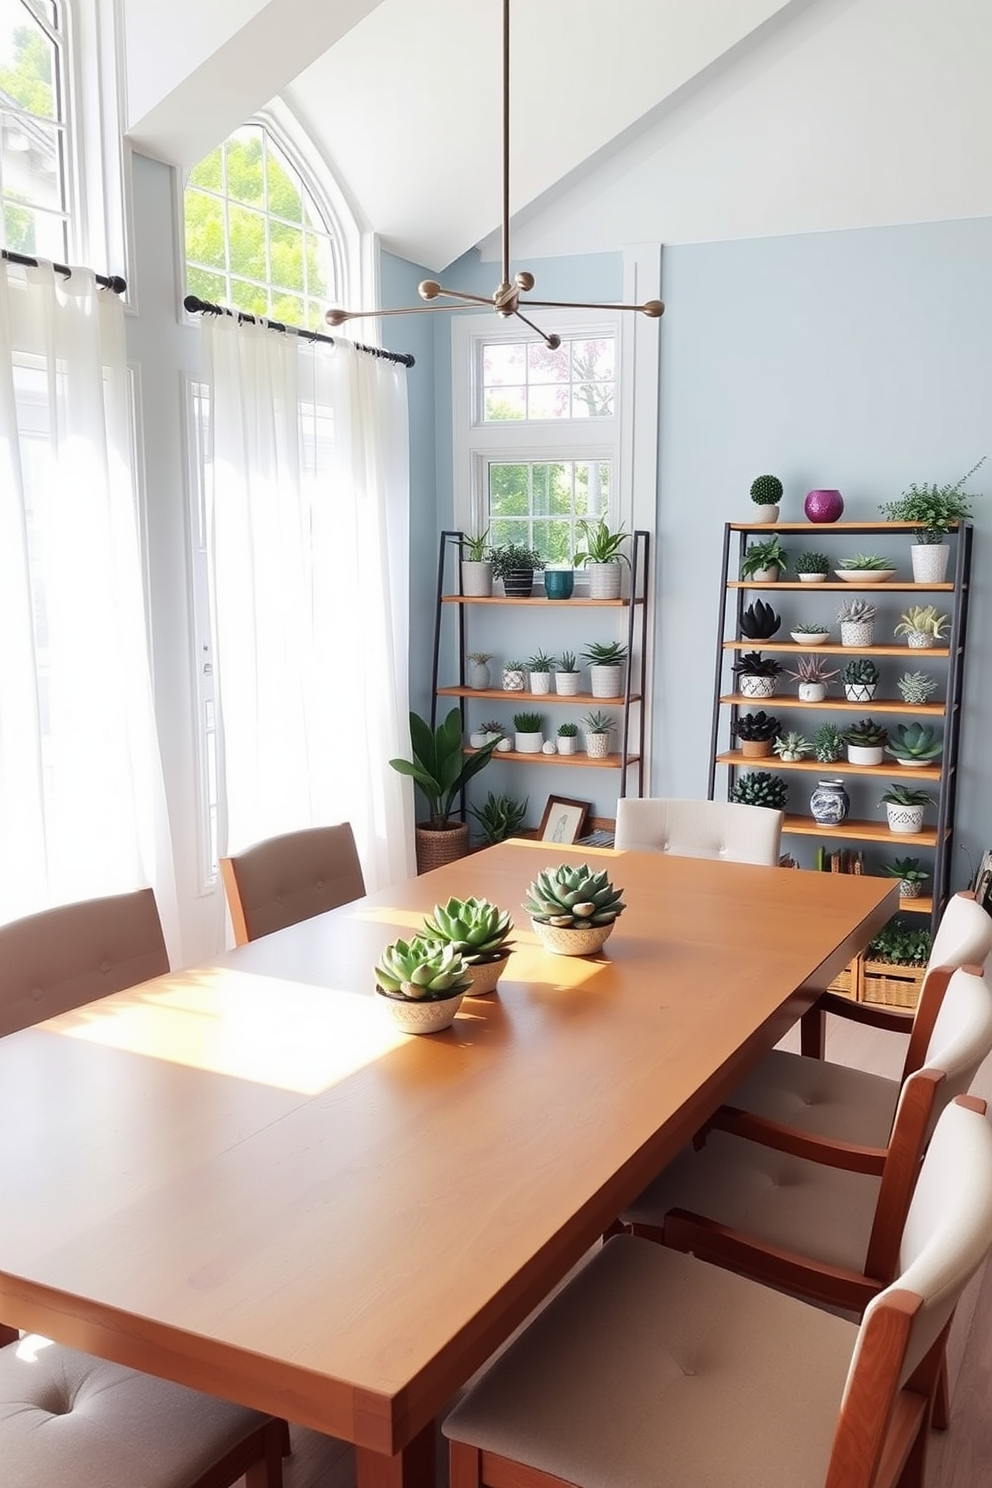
<point>823,506</point>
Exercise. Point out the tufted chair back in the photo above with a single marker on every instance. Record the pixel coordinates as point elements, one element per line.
<point>700,829</point>
<point>291,878</point>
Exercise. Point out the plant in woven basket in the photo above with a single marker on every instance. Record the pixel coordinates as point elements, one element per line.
<point>923,620</point>
<point>813,669</point>
<point>759,621</point>
<point>438,766</point>
<point>866,563</point>
<point>866,734</point>
<point>572,897</point>
<point>791,747</point>
<point>860,671</point>
<point>757,726</point>
<point>914,741</point>
<point>828,744</point>
<point>475,927</point>
<point>764,555</point>
<point>901,943</point>
<point>766,490</point>
<point>857,612</point>
<point>916,687</point>
<point>499,816</point>
<point>809,563</point>
<point>760,788</point>
<point>421,970</point>
<point>936,508</point>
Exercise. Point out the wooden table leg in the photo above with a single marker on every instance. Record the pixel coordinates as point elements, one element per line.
<point>813,1033</point>
<point>413,1467</point>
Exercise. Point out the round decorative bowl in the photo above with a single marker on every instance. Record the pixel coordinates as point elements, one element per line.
<point>485,976</point>
<point>810,637</point>
<point>823,506</point>
<point>412,1016</point>
<point>912,764</point>
<point>864,575</point>
<point>577,941</point>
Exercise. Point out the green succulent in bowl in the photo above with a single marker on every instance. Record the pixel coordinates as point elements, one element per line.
<point>573,897</point>
<point>914,741</point>
<point>475,927</point>
<point>421,970</point>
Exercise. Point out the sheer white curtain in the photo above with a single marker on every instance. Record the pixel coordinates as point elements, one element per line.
<point>82,803</point>
<point>308,495</point>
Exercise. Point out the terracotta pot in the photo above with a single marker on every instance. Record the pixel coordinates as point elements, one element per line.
<point>756,748</point>
<point>439,845</point>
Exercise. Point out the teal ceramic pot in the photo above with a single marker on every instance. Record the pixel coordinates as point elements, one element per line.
<point>559,583</point>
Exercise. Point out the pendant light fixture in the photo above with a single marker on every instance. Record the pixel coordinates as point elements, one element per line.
<point>506,300</point>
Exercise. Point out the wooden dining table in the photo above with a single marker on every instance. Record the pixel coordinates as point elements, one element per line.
<point>243,1177</point>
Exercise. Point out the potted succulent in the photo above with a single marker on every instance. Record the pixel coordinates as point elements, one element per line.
<point>828,744</point>
<point>489,732</point>
<point>860,678</point>
<point>904,808</point>
<point>755,731</point>
<point>923,626</point>
<point>539,667</point>
<point>424,981</point>
<point>478,931</point>
<point>813,674</point>
<point>756,675</point>
<point>910,875</point>
<point>865,742</point>
<point>766,493</point>
<point>476,566</point>
<point>914,744</point>
<point>478,669</point>
<point>573,910</point>
<point>598,727</point>
<point>812,568</point>
<point>515,564</point>
<point>568,738</point>
<point>865,568</point>
<point>857,622</point>
<point>499,817</point>
<point>809,633</point>
<point>759,621</point>
<point>514,676</point>
<point>764,562</point>
<point>606,659</point>
<point>602,556</point>
<point>936,509</point>
<point>916,687</point>
<point>567,675</point>
<point>792,747</point>
<point>441,770</point>
<point>527,735</point>
<point>760,788</point>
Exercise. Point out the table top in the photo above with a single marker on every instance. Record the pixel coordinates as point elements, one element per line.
<point>243,1177</point>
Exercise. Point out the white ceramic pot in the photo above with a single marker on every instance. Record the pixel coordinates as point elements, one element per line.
<point>766,575</point>
<point>478,740</point>
<point>904,820</point>
<point>597,745</point>
<point>929,562</point>
<point>763,514</point>
<point>861,754</point>
<point>606,681</point>
<point>812,578</point>
<point>528,743</point>
<point>540,682</point>
<point>513,680</point>
<point>575,942</point>
<point>478,675</point>
<point>567,744</point>
<point>504,746</point>
<point>477,579</point>
<point>549,747</point>
<point>857,632</point>
<point>423,1017</point>
<point>810,637</point>
<point>910,888</point>
<point>604,580</point>
<point>812,692</point>
<point>567,683</point>
<point>755,687</point>
<point>860,692</point>
<point>485,976</point>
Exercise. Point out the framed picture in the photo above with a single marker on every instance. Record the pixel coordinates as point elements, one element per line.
<point>563,819</point>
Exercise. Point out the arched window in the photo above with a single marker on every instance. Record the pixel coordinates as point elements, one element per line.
<point>36,153</point>
<point>256,238</point>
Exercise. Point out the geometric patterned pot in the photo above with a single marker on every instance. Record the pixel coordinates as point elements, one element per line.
<point>905,820</point>
<point>412,1016</point>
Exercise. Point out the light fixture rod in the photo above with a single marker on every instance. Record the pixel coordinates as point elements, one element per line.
<point>506,142</point>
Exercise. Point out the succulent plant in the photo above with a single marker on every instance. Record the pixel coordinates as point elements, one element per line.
<point>904,795</point>
<point>760,725</point>
<point>760,788</point>
<point>474,548</point>
<point>492,726</point>
<point>813,669</point>
<point>599,722</point>
<point>514,666</point>
<point>528,723</point>
<point>475,927</point>
<point>759,621</point>
<point>866,562</point>
<point>926,618</point>
<point>792,746</point>
<point>915,741</point>
<point>766,490</point>
<point>907,869</point>
<point>568,730</point>
<point>916,687</point>
<point>570,897</point>
<point>812,563</point>
<point>828,744</point>
<point>499,816</point>
<point>605,653</point>
<point>566,662</point>
<point>866,734</point>
<point>860,671</point>
<point>540,662</point>
<point>421,970</point>
<point>809,627</point>
<point>856,612</point>
<point>753,664</point>
<point>767,554</point>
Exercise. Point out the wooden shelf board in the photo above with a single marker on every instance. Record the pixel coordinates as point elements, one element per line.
<point>580,699</point>
<point>922,905</point>
<point>610,762</point>
<point>845,585</point>
<point>861,831</point>
<point>832,648</point>
<point>825,528</point>
<point>817,767</point>
<point>876,705</point>
<point>540,599</point>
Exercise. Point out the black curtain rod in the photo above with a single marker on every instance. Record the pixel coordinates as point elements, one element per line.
<point>202,307</point>
<point>106,281</point>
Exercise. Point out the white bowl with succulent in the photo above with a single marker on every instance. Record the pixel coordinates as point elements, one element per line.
<point>810,633</point>
<point>423,980</point>
<point>477,929</point>
<point>573,910</point>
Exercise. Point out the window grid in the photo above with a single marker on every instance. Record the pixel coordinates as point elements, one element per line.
<point>35,218</point>
<point>540,503</point>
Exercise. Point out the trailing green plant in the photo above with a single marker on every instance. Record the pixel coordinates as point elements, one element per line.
<point>907,870</point>
<point>925,618</point>
<point>499,816</point>
<point>757,726</point>
<point>915,741</point>
<point>792,746</point>
<point>813,669</point>
<point>809,627</point>
<point>760,555</point>
<point>573,897</point>
<point>904,795</point>
<point>540,662</point>
<point>508,558</point>
<point>605,653</point>
<point>856,612</point>
<point>439,766</point>
<point>568,730</point>
<point>866,562</point>
<point>860,671</point>
<point>759,621</point>
<point>828,744</point>
<point>601,544</point>
<point>916,687</point>
<point>474,549</point>
<point>935,508</point>
<point>901,942</point>
<point>812,563</point>
<point>753,664</point>
<point>566,662</point>
<point>476,928</point>
<point>866,734</point>
<point>599,722</point>
<point>421,970</point>
<point>766,490</point>
<point>760,788</point>
<point>528,723</point>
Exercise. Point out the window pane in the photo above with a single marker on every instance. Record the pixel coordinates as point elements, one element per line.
<point>206,232</point>
<point>27,63</point>
<point>578,380</point>
<point>246,236</point>
<point>31,162</point>
<point>508,490</point>
<point>544,365</point>
<point>593,359</point>
<point>539,503</point>
<point>249,297</point>
<point>286,249</point>
<point>209,172</point>
<point>502,363</point>
<point>548,402</point>
<point>243,158</point>
<point>208,286</point>
<point>505,403</point>
<point>287,308</point>
<point>284,193</point>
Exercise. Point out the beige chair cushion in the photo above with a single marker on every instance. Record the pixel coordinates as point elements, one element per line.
<point>700,829</point>
<point>71,1421</point>
<point>827,1100</point>
<point>287,879</point>
<point>654,1370</point>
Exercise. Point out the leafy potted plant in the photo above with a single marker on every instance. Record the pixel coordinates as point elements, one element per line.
<point>499,817</point>
<point>514,676</point>
<point>857,622</point>
<point>936,509</point>
<point>424,981</point>
<point>515,564</point>
<point>860,678</point>
<point>792,747</point>
<point>916,687</point>
<point>755,731</point>
<point>766,493</point>
<point>865,742</point>
<point>828,744</point>
<point>910,875</point>
<point>914,744</point>
<point>606,659</point>
<point>764,562</point>
<point>567,675</point>
<point>813,674</point>
<point>923,626</point>
<point>865,568</point>
<point>757,675</point>
<point>760,788</point>
<point>568,737</point>
<point>478,669</point>
<point>476,566</point>
<point>809,633</point>
<point>539,666</point>
<point>904,808</point>
<point>894,964</point>
<point>527,736</point>
<point>478,931</point>
<point>598,727</point>
<point>602,556</point>
<point>812,568</point>
<point>573,910</point>
<point>759,621</point>
<point>441,770</point>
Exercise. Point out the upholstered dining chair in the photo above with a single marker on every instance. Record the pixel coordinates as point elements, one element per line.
<point>291,878</point>
<point>62,958</point>
<point>700,829</point>
<point>657,1370</point>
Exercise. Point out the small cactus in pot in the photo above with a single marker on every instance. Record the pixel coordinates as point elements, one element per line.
<point>760,788</point>
<point>766,493</point>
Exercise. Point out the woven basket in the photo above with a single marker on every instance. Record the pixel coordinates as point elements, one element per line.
<point>891,986</point>
<point>436,847</point>
<point>848,982</point>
